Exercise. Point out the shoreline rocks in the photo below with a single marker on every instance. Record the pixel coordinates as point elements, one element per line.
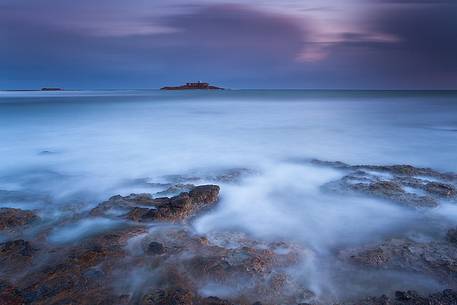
<point>445,297</point>
<point>437,258</point>
<point>145,208</point>
<point>404,184</point>
<point>11,218</point>
<point>179,266</point>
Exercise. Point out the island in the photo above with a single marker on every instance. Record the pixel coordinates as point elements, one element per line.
<point>51,89</point>
<point>193,86</point>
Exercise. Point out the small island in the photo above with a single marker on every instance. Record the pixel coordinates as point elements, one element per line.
<point>193,86</point>
<point>51,89</point>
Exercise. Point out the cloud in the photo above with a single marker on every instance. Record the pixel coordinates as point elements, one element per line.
<point>400,47</point>
<point>203,42</point>
<point>399,44</point>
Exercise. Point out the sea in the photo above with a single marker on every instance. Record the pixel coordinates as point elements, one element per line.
<point>64,152</point>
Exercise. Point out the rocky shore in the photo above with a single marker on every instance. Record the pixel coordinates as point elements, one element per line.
<point>155,257</point>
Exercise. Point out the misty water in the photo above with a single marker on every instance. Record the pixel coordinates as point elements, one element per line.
<point>62,153</point>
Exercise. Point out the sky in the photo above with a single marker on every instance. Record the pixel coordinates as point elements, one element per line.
<point>309,44</point>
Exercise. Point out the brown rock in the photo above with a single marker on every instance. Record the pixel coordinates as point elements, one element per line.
<point>80,274</point>
<point>446,297</point>
<point>172,209</point>
<point>155,248</point>
<point>438,259</point>
<point>170,296</point>
<point>441,189</point>
<point>10,295</point>
<point>14,254</point>
<point>11,218</point>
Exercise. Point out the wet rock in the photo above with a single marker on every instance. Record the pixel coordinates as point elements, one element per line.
<point>10,295</point>
<point>12,252</point>
<point>215,301</point>
<point>143,207</point>
<point>232,175</point>
<point>441,189</point>
<point>334,164</point>
<point>393,191</point>
<point>204,194</point>
<point>404,184</point>
<point>452,236</point>
<point>191,260</point>
<point>12,218</point>
<point>446,297</point>
<point>142,214</point>
<point>170,296</point>
<point>398,170</point>
<point>176,189</point>
<point>408,170</point>
<point>155,248</point>
<point>80,274</point>
<point>437,259</point>
<point>225,176</point>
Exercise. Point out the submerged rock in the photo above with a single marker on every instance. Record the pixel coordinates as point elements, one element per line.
<point>191,261</point>
<point>144,208</point>
<point>155,248</point>
<point>175,296</point>
<point>437,259</point>
<point>446,297</point>
<point>81,274</point>
<point>232,175</point>
<point>10,295</point>
<point>404,184</point>
<point>15,255</point>
<point>452,236</point>
<point>440,189</point>
<point>179,296</point>
<point>12,218</point>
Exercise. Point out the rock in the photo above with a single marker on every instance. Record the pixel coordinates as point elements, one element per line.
<point>404,184</point>
<point>193,261</point>
<point>10,295</point>
<point>170,296</point>
<point>441,189</point>
<point>176,189</point>
<point>141,214</point>
<point>155,248</point>
<point>81,273</point>
<point>446,297</point>
<point>15,250</point>
<point>231,175</point>
<point>437,259</point>
<point>12,218</point>
<point>398,170</point>
<point>204,194</point>
<point>145,208</point>
<point>393,191</point>
<point>334,164</point>
<point>215,301</point>
<point>452,236</point>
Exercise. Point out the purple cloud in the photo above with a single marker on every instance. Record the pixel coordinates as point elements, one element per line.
<point>387,44</point>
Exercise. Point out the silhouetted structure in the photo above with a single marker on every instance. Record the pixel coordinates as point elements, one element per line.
<point>193,86</point>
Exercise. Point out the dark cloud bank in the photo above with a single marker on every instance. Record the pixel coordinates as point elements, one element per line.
<point>234,45</point>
